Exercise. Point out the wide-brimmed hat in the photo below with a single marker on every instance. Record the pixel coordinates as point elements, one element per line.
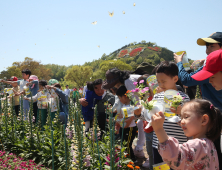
<point>53,81</point>
<point>111,80</point>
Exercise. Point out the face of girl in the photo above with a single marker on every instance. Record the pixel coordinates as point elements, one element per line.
<point>191,122</point>
<point>216,80</point>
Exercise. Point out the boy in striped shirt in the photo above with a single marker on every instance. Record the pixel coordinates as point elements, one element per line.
<point>167,76</point>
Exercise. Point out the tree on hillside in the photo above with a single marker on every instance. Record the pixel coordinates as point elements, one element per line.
<point>79,74</point>
<point>58,72</point>
<point>36,68</point>
<point>139,60</point>
<point>156,59</point>
<point>143,42</point>
<point>4,74</point>
<point>106,65</point>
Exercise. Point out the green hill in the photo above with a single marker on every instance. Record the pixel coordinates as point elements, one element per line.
<point>136,53</point>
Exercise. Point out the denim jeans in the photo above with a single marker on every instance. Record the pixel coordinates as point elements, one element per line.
<point>149,148</point>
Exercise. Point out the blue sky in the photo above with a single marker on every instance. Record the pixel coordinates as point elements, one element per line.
<point>60,32</point>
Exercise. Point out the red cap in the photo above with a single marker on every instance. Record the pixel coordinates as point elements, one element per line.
<point>212,65</point>
<point>13,78</point>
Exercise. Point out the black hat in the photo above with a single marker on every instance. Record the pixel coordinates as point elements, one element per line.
<point>216,37</point>
<point>111,80</point>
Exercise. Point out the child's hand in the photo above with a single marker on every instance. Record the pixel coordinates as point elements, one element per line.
<point>138,111</point>
<point>157,121</point>
<point>177,111</point>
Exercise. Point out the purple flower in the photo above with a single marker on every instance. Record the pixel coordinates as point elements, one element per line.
<point>133,91</point>
<point>141,81</point>
<point>137,89</point>
<point>135,83</point>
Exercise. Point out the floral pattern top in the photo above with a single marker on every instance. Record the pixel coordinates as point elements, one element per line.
<point>42,99</point>
<point>194,154</point>
<point>53,101</point>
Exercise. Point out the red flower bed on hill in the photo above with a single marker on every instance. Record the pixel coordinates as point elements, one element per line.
<point>154,48</point>
<point>123,53</point>
<point>135,51</point>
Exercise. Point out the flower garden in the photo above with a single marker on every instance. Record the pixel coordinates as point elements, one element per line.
<point>122,53</point>
<point>135,52</point>
<point>25,145</point>
<point>154,48</point>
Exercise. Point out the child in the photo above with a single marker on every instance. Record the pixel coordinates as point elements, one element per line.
<point>54,100</point>
<point>129,129</point>
<point>212,69</point>
<point>16,90</point>
<point>87,111</point>
<point>166,74</point>
<point>200,120</point>
<point>42,98</point>
<point>75,95</point>
<point>25,75</point>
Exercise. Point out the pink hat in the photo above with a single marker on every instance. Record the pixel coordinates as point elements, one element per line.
<point>33,77</point>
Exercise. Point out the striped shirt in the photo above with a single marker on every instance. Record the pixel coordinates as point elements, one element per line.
<point>172,129</point>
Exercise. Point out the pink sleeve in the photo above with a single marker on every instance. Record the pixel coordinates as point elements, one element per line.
<point>193,154</point>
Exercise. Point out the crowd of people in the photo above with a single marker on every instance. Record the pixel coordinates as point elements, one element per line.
<point>192,143</point>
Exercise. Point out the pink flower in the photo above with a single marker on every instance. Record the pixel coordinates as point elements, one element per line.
<point>137,89</point>
<point>141,81</point>
<point>133,91</point>
<point>146,89</point>
<point>135,83</point>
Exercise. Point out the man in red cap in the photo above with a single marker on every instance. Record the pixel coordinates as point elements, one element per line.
<point>212,69</point>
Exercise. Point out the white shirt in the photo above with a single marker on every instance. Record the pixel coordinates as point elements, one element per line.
<point>132,124</point>
<point>104,94</point>
<point>129,82</point>
<point>67,91</point>
<point>84,90</point>
<point>22,83</point>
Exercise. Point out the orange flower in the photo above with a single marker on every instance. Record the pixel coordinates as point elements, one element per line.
<point>128,91</point>
<point>126,155</point>
<point>137,131</point>
<point>137,167</point>
<point>131,163</point>
<point>130,166</point>
<point>84,123</point>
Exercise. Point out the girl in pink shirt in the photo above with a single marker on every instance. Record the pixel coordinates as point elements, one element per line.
<point>199,120</point>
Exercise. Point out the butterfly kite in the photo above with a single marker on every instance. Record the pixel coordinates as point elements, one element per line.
<point>111,14</point>
<point>94,23</point>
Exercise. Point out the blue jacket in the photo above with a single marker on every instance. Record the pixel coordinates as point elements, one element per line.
<point>63,101</point>
<point>208,91</point>
<point>87,111</point>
